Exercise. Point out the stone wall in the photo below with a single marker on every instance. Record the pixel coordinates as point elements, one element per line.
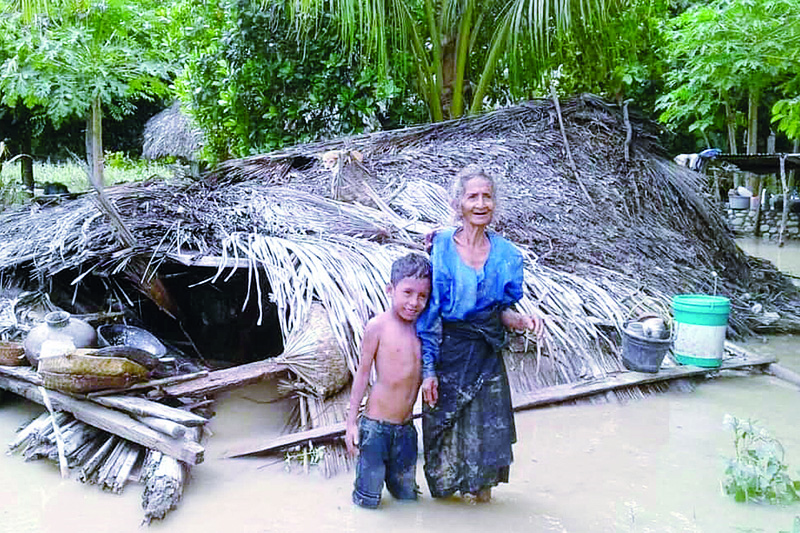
<point>742,221</point>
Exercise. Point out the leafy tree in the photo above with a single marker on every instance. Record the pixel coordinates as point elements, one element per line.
<point>253,83</point>
<point>726,54</point>
<point>76,59</point>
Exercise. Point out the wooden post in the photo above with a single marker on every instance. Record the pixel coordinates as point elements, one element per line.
<point>785,213</point>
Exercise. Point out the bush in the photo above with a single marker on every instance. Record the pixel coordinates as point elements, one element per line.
<point>758,472</point>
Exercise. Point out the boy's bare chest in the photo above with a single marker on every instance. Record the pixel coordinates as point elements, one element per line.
<point>400,356</point>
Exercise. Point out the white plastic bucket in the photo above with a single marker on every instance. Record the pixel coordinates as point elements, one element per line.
<point>701,321</point>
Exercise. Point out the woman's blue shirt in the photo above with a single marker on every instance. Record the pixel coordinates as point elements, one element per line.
<point>459,290</point>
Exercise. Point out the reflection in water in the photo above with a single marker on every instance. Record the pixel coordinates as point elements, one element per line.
<point>649,465</point>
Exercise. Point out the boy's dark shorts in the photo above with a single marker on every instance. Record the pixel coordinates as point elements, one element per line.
<point>387,452</point>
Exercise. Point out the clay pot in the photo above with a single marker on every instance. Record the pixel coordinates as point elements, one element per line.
<point>58,327</point>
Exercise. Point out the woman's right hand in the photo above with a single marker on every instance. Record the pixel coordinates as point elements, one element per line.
<point>430,390</point>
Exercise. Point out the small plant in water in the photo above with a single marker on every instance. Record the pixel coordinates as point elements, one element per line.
<point>758,472</point>
<point>303,456</point>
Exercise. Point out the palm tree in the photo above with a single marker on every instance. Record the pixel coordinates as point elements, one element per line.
<point>455,47</point>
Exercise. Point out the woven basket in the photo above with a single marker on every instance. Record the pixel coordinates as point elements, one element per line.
<point>82,362</point>
<point>78,383</point>
<point>12,354</point>
<point>313,354</point>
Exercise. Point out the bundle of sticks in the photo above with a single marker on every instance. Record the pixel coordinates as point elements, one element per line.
<point>106,460</point>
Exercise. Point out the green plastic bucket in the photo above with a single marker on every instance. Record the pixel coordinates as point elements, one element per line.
<point>701,321</point>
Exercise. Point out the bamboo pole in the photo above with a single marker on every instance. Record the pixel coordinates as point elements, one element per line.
<point>90,467</point>
<point>142,407</point>
<point>62,459</point>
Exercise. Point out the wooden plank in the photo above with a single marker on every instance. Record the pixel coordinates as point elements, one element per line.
<point>152,384</point>
<point>110,420</point>
<point>541,397</point>
<point>226,379</point>
<point>571,391</point>
<point>142,407</point>
<point>255,446</point>
<point>24,373</point>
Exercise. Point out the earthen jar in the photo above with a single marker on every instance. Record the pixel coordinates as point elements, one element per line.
<point>61,327</point>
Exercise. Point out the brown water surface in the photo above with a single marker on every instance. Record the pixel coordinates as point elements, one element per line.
<point>653,464</point>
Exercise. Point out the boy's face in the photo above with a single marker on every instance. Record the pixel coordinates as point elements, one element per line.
<point>409,297</point>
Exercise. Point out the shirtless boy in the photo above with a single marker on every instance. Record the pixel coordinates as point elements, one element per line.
<point>385,438</point>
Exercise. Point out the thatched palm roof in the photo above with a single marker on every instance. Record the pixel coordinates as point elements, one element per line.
<point>171,133</point>
<point>605,239</point>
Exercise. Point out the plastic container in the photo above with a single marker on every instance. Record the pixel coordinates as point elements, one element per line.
<point>739,202</point>
<point>58,328</point>
<point>701,321</point>
<point>641,353</point>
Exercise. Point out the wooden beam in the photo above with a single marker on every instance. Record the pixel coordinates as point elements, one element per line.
<point>538,398</point>
<point>226,379</point>
<point>109,420</point>
<point>24,373</point>
<point>152,384</point>
<point>571,391</point>
<point>142,407</point>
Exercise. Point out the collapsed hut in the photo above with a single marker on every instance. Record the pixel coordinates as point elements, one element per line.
<point>173,133</point>
<point>272,265</point>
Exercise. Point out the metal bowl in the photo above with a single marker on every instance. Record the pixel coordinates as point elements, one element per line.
<point>122,335</point>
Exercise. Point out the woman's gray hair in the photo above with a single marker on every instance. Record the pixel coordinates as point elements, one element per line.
<point>459,183</point>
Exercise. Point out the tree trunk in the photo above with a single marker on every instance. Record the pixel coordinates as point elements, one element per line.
<point>97,144</point>
<point>730,124</point>
<point>88,141</point>
<point>752,134</point>
<point>752,122</point>
<point>26,163</point>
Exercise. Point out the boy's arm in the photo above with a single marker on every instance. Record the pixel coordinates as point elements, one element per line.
<point>369,347</point>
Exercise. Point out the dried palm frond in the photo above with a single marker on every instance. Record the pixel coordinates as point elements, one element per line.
<point>652,234</point>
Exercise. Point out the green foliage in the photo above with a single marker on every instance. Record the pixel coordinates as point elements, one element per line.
<point>256,84</point>
<point>56,64</point>
<point>621,60</point>
<point>485,53</point>
<point>74,176</point>
<point>786,115</point>
<point>721,51</point>
<point>758,472</point>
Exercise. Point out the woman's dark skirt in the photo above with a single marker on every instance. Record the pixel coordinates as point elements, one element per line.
<point>468,434</point>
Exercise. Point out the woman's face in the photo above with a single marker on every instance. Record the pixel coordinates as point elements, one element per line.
<point>477,202</point>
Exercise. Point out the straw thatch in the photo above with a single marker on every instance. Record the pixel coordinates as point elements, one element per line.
<point>172,133</point>
<point>605,238</point>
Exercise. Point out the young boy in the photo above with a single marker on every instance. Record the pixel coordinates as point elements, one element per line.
<point>385,440</point>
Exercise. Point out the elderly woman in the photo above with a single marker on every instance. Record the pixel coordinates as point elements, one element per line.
<point>468,422</point>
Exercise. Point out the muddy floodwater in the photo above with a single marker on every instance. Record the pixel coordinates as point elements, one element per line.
<point>653,464</point>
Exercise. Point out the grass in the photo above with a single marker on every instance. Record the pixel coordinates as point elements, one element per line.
<point>118,169</point>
